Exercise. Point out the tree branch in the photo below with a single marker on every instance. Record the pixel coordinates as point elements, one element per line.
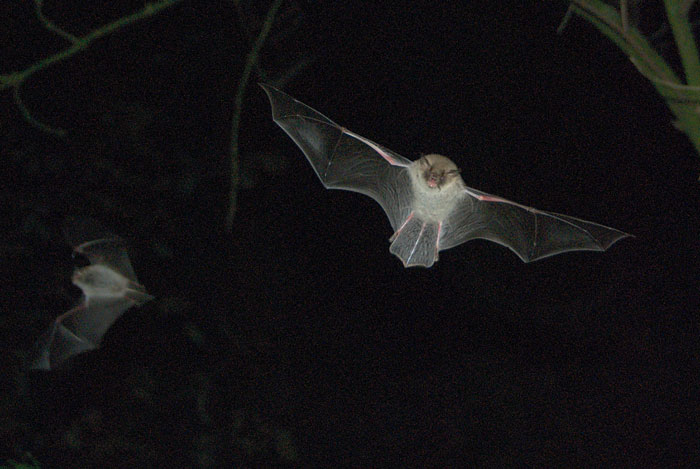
<point>16,79</point>
<point>251,61</point>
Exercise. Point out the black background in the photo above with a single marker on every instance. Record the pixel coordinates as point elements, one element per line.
<point>299,329</point>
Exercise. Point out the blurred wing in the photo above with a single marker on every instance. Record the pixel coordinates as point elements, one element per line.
<point>107,294</point>
<point>59,343</point>
<point>110,252</point>
<point>82,328</point>
<point>109,288</point>
<point>530,233</point>
<point>343,159</point>
<point>98,314</point>
<point>90,238</point>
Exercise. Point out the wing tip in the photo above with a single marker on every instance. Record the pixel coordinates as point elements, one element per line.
<point>614,237</point>
<point>267,88</point>
<point>599,246</point>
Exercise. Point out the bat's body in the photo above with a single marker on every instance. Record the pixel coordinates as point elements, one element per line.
<point>109,288</point>
<point>429,206</point>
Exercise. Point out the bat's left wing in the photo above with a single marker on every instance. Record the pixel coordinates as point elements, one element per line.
<point>530,233</point>
<point>78,330</point>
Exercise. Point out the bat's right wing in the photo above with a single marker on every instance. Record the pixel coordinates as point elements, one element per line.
<point>343,159</point>
<point>530,233</point>
<point>109,252</point>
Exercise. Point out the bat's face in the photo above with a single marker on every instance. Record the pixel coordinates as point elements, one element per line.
<point>436,187</point>
<point>437,171</point>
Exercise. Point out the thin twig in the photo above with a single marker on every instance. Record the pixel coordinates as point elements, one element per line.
<point>292,72</point>
<point>28,116</point>
<point>567,17</point>
<point>48,24</point>
<point>592,9</point>
<point>251,60</point>
<point>16,79</point>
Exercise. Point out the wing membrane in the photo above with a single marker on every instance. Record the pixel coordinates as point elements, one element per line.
<point>530,233</point>
<point>343,159</point>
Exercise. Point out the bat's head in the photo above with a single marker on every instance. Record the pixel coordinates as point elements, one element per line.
<point>438,171</point>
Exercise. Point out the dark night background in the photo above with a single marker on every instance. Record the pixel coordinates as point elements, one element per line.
<point>298,339</point>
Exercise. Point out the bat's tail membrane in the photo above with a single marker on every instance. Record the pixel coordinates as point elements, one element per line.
<point>416,243</point>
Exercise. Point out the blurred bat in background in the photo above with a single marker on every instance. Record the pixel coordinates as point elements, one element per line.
<point>428,204</point>
<point>109,288</point>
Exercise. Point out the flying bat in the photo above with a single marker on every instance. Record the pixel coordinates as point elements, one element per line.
<point>428,204</point>
<point>109,288</point>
